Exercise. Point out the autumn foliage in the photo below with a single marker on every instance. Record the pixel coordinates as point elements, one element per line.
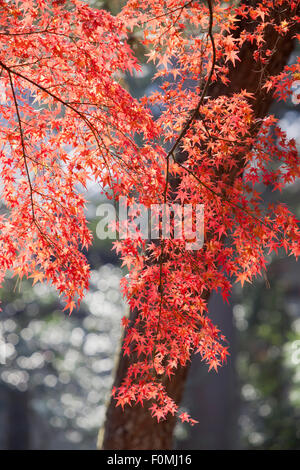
<point>66,119</point>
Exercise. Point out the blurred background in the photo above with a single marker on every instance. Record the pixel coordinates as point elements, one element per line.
<point>59,369</point>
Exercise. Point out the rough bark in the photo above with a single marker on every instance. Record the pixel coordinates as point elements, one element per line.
<point>134,428</point>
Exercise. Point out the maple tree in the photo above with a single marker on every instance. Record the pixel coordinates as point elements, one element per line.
<point>66,119</point>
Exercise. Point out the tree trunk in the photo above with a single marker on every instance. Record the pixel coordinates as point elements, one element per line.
<point>134,428</point>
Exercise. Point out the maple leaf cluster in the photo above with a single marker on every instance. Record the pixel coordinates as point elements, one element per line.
<point>66,119</point>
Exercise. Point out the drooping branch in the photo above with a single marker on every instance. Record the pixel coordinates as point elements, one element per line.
<point>195,113</point>
<point>134,428</point>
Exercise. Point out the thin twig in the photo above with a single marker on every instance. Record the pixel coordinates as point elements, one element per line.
<point>204,91</point>
<point>23,145</point>
<point>60,100</point>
